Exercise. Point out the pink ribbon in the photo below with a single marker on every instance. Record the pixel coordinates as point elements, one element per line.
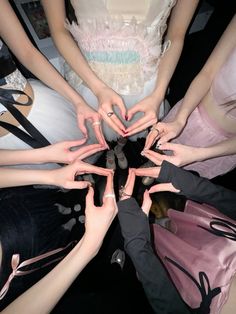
<point>16,266</point>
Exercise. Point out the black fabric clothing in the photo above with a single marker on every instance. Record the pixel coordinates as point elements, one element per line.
<point>199,189</point>
<point>159,288</point>
<point>34,221</point>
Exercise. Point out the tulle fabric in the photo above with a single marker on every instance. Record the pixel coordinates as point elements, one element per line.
<point>191,244</point>
<point>124,52</point>
<point>55,117</point>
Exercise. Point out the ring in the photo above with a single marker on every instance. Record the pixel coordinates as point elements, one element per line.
<point>155,129</point>
<point>109,114</point>
<point>110,195</point>
<point>96,123</point>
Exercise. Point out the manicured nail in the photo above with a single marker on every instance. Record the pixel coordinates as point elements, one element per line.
<point>126,117</point>
<point>142,153</point>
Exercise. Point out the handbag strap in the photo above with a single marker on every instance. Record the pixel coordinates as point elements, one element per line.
<point>33,138</point>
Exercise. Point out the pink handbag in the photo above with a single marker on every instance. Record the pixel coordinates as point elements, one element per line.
<point>199,253</point>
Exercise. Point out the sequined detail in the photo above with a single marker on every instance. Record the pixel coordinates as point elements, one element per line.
<point>124,54</point>
<point>15,80</point>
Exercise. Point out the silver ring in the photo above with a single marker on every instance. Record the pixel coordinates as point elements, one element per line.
<point>109,195</point>
<point>96,123</point>
<point>155,129</point>
<point>109,114</point>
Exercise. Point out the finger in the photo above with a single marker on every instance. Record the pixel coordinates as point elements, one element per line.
<point>84,167</point>
<point>132,111</point>
<point>109,193</point>
<point>150,140</point>
<point>86,149</point>
<point>90,197</point>
<point>148,172</point>
<point>147,202</point>
<point>91,152</point>
<point>81,124</point>
<point>141,127</point>
<point>119,130</point>
<point>71,144</point>
<point>142,121</point>
<point>98,133</point>
<point>77,185</point>
<point>156,159</point>
<point>163,187</point>
<point>167,146</point>
<point>122,108</point>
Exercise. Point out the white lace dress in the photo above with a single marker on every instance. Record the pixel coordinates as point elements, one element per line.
<point>123,43</point>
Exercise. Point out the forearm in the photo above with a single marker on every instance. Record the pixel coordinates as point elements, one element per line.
<point>151,272</point>
<point>10,177</point>
<point>44,295</point>
<point>199,189</point>
<point>46,73</point>
<point>76,60</point>
<point>167,67</point>
<point>194,95</point>
<point>224,148</point>
<point>26,156</point>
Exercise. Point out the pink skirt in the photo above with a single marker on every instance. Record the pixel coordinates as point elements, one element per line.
<point>200,254</point>
<point>198,132</point>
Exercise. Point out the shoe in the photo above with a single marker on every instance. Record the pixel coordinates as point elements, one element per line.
<point>110,160</point>
<point>148,180</point>
<point>122,160</point>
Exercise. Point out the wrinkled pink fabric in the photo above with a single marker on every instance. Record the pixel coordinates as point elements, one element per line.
<point>198,250</point>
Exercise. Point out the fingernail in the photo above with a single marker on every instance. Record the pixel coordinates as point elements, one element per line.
<point>126,117</point>
<point>142,153</point>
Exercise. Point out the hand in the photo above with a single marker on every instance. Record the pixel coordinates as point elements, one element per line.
<point>149,107</point>
<point>127,190</point>
<point>84,112</point>
<point>163,132</point>
<point>62,152</point>
<point>65,176</point>
<point>154,173</point>
<point>99,219</point>
<point>181,154</point>
<point>107,98</point>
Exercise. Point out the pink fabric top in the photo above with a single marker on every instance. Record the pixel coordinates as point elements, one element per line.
<point>199,254</point>
<point>224,85</point>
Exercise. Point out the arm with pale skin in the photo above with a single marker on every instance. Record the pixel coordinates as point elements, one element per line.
<point>197,90</point>
<point>180,19</point>
<point>12,32</point>
<point>107,98</point>
<point>182,155</point>
<point>135,229</point>
<point>174,179</point>
<point>58,153</point>
<point>44,295</point>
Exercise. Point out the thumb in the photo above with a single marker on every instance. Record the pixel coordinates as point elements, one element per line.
<point>81,124</point>
<point>131,112</point>
<point>163,187</point>
<point>90,197</point>
<point>147,202</point>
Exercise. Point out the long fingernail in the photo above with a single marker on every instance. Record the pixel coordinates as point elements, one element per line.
<point>126,117</point>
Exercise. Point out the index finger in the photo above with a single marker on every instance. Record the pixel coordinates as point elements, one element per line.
<point>109,193</point>
<point>98,133</point>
